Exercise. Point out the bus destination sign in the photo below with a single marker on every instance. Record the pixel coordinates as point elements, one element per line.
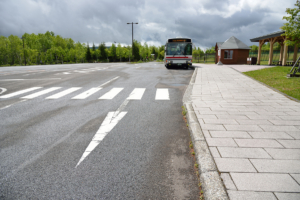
<point>179,40</point>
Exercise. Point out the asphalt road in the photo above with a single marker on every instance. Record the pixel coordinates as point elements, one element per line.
<point>58,140</point>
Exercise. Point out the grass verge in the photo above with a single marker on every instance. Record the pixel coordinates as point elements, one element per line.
<point>276,78</point>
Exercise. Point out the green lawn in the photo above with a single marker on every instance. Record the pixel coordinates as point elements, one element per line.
<point>276,78</point>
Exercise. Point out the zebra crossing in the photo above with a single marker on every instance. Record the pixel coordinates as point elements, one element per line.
<point>136,94</point>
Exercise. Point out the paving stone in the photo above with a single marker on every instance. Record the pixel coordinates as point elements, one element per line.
<point>247,195</point>
<point>254,121</point>
<point>212,127</point>
<point>213,113</point>
<point>214,152</point>
<point>241,112</point>
<point>234,165</point>
<point>206,134</point>
<point>228,181</point>
<point>293,114</point>
<point>284,122</point>
<point>292,118</point>
<point>271,135</point>
<point>267,117</point>
<point>230,152</point>
<point>265,182</point>
<point>290,143</point>
<point>219,121</point>
<point>287,196</point>
<point>296,177</point>
<point>230,134</point>
<point>232,116</point>
<point>242,127</point>
<point>271,113</point>
<point>270,128</point>
<point>227,142</point>
<point>257,143</point>
<point>289,154</point>
<point>206,116</point>
<point>276,166</point>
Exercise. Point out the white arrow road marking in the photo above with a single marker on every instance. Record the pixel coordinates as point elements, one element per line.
<point>107,125</point>
<point>2,90</point>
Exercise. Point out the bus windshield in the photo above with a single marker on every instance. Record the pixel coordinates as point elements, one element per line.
<point>179,48</point>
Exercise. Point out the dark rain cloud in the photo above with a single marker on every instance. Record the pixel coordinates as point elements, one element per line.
<point>205,21</point>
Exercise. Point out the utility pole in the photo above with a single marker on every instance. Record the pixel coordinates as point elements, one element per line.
<point>132,35</point>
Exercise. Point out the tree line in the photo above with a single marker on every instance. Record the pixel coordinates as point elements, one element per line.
<point>49,48</point>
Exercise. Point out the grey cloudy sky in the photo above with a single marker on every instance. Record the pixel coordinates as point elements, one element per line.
<point>205,21</point>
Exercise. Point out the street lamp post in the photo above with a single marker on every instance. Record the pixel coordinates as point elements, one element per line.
<point>24,49</point>
<point>132,36</point>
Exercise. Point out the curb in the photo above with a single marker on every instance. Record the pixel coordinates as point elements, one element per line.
<point>212,185</point>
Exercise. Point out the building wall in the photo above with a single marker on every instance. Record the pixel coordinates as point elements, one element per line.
<point>239,56</point>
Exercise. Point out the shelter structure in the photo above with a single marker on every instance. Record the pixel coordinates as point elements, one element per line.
<point>232,51</point>
<point>272,38</point>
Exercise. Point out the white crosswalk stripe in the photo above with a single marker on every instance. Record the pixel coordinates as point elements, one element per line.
<point>162,94</point>
<point>31,96</point>
<point>112,93</point>
<point>136,94</point>
<point>19,92</point>
<point>63,93</point>
<point>87,93</point>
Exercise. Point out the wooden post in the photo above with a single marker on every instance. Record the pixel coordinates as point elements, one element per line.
<point>285,49</point>
<point>281,51</point>
<point>261,42</point>
<point>295,53</point>
<point>272,41</point>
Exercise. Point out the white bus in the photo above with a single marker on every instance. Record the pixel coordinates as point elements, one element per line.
<point>178,53</point>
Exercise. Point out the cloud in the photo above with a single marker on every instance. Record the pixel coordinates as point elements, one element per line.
<point>205,21</point>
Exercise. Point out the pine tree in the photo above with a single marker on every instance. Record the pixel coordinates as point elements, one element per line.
<point>113,51</point>
<point>94,52</point>
<point>88,55</point>
<point>136,51</point>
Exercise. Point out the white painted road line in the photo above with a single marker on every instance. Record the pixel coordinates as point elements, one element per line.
<point>108,81</point>
<point>162,94</point>
<point>112,93</point>
<point>87,93</point>
<point>63,93</point>
<point>107,125</point>
<point>12,104</point>
<point>19,92</point>
<point>31,96</point>
<point>29,79</point>
<point>137,94</point>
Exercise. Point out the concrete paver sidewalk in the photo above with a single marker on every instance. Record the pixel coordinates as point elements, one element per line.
<point>252,131</point>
